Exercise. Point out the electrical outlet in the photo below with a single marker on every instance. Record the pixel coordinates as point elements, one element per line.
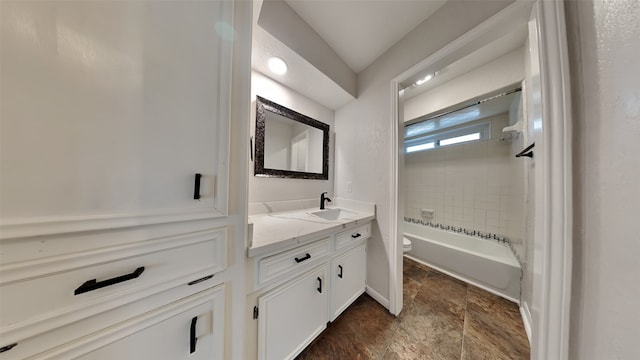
<point>349,187</point>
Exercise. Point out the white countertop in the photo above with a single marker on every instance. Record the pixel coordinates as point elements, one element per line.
<point>279,231</point>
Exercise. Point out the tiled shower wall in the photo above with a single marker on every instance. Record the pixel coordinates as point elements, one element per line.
<point>477,186</point>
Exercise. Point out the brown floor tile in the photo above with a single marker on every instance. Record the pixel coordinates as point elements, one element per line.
<point>338,341</point>
<point>441,290</point>
<point>435,327</point>
<point>372,323</point>
<point>410,288</point>
<point>414,270</point>
<point>493,328</point>
<point>403,346</point>
<point>486,302</point>
<point>485,341</point>
<point>415,263</point>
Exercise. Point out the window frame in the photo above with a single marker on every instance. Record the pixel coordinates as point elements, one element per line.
<point>484,128</point>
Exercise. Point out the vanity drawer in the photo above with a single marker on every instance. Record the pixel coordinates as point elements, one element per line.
<point>358,233</point>
<point>91,282</point>
<point>275,265</point>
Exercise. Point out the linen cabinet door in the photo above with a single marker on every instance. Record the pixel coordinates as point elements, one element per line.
<point>115,115</point>
<point>191,328</point>
<point>349,275</point>
<point>292,315</point>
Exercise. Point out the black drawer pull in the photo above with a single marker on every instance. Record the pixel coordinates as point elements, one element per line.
<point>357,235</point>
<point>320,285</point>
<point>192,336</point>
<point>306,257</point>
<point>93,284</point>
<point>340,273</point>
<point>196,187</point>
<point>8,347</point>
<point>200,280</point>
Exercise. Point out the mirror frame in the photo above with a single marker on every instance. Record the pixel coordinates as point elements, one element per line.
<point>262,106</point>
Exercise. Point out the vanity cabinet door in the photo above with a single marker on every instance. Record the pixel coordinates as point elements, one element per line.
<point>348,275</point>
<point>292,315</point>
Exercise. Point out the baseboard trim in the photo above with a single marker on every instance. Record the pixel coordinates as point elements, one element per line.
<point>526,319</point>
<point>377,297</point>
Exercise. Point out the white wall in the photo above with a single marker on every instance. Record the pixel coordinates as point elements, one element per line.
<point>476,186</point>
<point>604,40</point>
<point>364,127</point>
<point>263,189</point>
<point>503,71</point>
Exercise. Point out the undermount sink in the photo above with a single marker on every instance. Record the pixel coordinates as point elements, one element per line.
<point>332,214</point>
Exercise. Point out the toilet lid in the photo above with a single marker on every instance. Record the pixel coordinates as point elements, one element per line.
<point>406,242</point>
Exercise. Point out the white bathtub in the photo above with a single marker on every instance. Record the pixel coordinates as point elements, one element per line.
<point>484,263</point>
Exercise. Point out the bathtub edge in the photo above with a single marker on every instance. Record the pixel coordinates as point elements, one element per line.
<point>464,279</point>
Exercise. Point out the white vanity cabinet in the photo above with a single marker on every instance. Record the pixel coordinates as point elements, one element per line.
<point>293,315</point>
<point>302,288</point>
<point>348,278</point>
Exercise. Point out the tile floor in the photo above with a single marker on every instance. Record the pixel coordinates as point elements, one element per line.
<point>442,318</point>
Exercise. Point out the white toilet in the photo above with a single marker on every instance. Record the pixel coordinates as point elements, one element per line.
<point>406,245</point>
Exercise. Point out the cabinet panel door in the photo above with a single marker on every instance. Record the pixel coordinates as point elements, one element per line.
<point>115,110</point>
<point>292,315</point>
<point>349,275</point>
<point>163,333</point>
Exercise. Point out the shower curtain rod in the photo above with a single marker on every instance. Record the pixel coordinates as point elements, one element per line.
<point>468,106</point>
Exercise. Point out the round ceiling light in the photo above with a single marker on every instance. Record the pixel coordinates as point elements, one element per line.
<point>277,65</point>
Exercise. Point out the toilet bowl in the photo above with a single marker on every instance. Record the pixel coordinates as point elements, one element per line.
<point>406,245</point>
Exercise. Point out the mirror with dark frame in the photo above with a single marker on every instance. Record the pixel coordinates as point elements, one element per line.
<point>289,144</point>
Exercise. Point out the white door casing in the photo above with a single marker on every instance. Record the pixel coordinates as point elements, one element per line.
<point>553,203</point>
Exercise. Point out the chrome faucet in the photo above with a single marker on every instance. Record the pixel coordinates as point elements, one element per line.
<point>323,199</point>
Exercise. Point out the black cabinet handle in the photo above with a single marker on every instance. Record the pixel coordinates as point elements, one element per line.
<point>94,285</point>
<point>196,187</point>
<point>8,347</point>
<point>251,147</point>
<point>340,273</point>
<point>306,257</point>
<point>200,280</point>
<point>357,235</point>
<point>527,151</point>
<point>320,285</point>
<point>192,336</point>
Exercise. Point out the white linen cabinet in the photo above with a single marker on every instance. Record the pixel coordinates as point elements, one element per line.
<point>114,178</point>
